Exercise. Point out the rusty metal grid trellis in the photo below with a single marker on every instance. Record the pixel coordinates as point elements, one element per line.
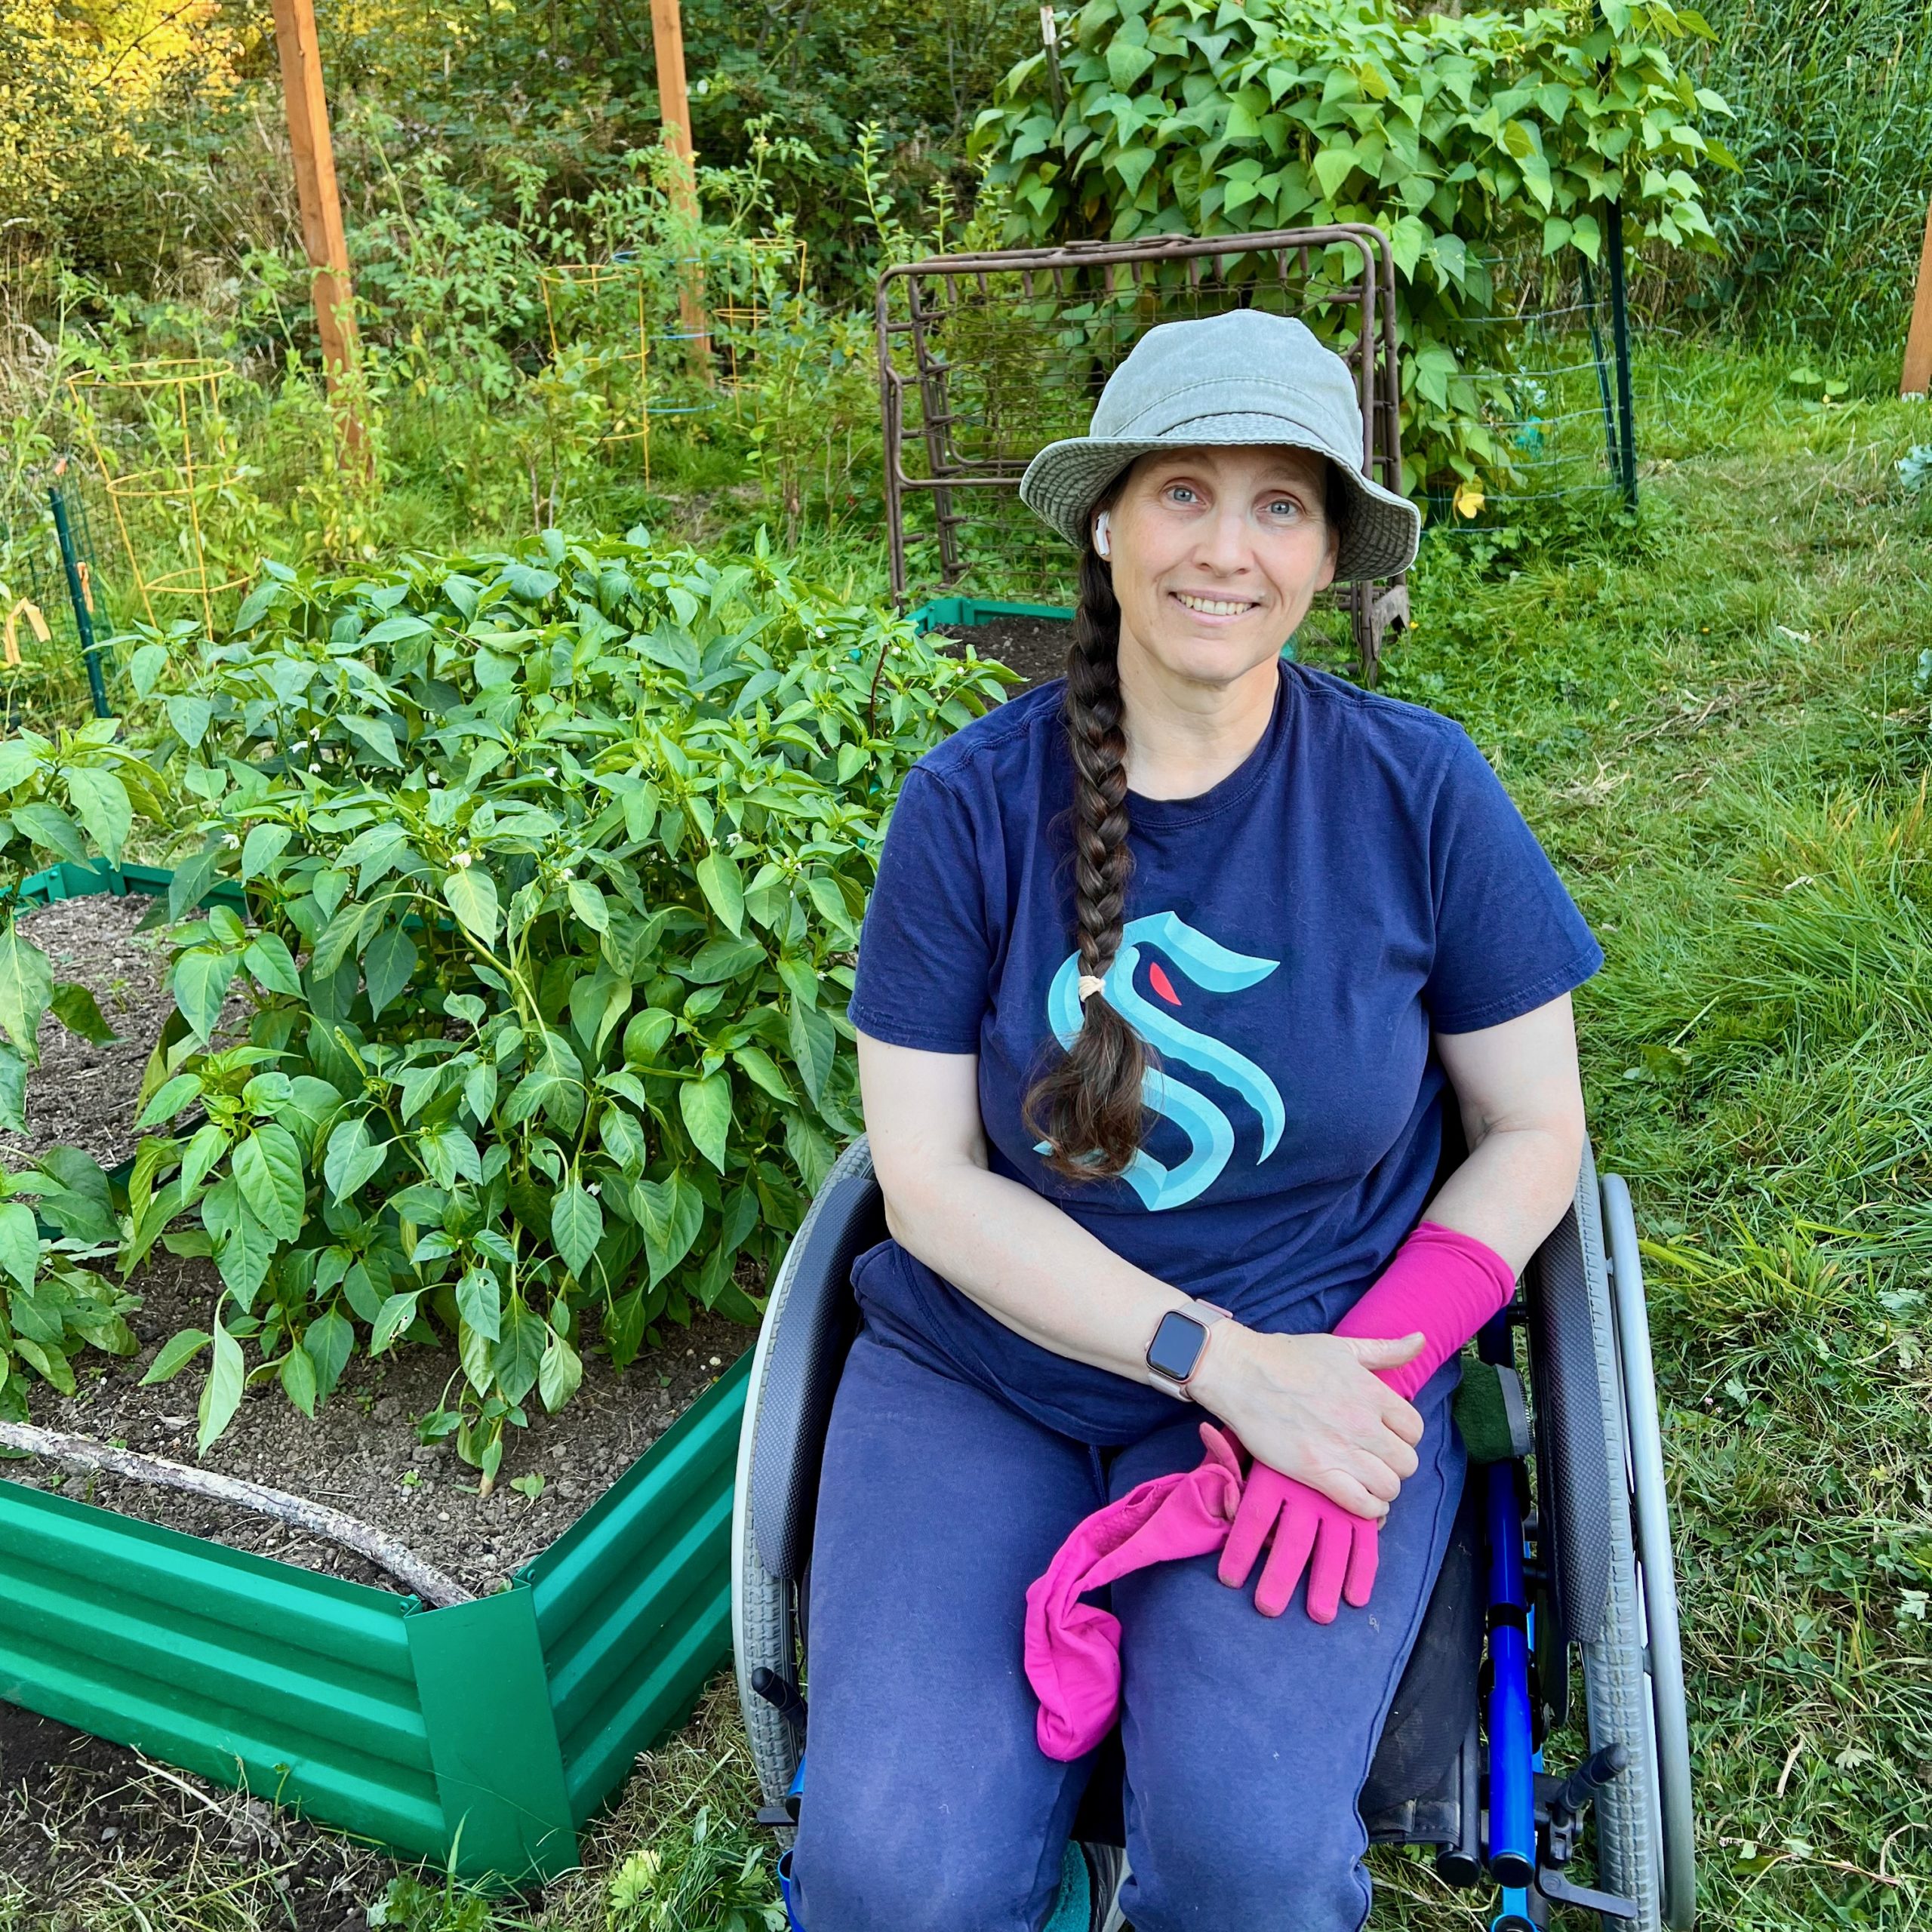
<point>985,359</point>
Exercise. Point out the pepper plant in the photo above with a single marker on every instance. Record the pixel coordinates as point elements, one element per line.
<point>1461,136</point>
<point>554,868</point>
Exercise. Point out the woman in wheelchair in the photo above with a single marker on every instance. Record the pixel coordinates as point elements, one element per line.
<point>1170,972</point>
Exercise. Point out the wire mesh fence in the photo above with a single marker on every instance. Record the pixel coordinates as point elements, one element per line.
<point>42,664</point>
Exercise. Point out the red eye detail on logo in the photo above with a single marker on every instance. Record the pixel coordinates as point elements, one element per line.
<point>1162,983</point>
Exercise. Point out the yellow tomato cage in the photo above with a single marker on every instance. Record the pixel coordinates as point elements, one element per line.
<point>173,407</point>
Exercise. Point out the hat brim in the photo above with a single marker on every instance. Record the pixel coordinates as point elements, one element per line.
<point>1062,482</point>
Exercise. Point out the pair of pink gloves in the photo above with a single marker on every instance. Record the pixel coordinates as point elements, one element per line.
<point>1442,1284</point>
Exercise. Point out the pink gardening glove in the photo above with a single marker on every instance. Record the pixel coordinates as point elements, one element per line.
<point>1072,1648</point>
<point>1442,1284</point>
<point>1305,1523</point>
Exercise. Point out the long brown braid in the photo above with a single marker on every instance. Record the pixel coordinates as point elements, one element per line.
<point>1088,1106</point>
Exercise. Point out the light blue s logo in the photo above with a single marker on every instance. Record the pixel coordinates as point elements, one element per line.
<point>1209,1129</point>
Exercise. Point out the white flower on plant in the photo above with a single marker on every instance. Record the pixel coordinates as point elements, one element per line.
<point>550,771</point>
<point>568,874</point>
<point>313,766</point>
<point>734,838</point>
<point>818,630</point>
<point>231,839</point>
<point>595,1187</point>
<point>462,858</point>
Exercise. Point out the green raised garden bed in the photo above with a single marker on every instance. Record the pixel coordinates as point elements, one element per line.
<point>488,1731</point>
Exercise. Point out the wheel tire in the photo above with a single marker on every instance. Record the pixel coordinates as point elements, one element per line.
<point>764,1629</point>
<point>1663,1647</point>
<point>1627,1814</point>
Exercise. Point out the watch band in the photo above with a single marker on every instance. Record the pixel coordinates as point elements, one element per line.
<point>1176,1386</point>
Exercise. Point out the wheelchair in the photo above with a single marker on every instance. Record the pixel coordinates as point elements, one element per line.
<point>1556,1597</point>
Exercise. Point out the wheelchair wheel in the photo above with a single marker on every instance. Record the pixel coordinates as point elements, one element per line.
<point>1633,1688</point>
<point>764,1601</point>
<point>1663,1651</point>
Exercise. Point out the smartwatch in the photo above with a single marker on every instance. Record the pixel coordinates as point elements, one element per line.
<point>1179,1343</point>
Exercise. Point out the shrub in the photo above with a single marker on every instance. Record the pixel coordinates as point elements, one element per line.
<point>1457,136</point>
<point>555,866</point>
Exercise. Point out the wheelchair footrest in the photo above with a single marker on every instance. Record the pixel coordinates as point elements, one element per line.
<point>783,1816</point>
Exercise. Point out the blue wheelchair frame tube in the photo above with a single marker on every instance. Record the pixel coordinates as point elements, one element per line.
<point>1511,1851</point>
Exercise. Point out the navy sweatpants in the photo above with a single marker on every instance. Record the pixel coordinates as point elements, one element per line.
<point>928,1806</point>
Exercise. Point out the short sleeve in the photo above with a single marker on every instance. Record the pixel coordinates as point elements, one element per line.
<point>924,954</point>
<point>1508,937</point>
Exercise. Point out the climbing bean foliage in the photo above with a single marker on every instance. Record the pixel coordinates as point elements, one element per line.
<point>1462,138</point>
<point>554,867</point>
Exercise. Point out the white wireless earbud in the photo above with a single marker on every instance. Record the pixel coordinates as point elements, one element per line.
<point>1103,535</point>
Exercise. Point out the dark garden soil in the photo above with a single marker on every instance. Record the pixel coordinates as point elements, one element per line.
<point>89,1829</point>
<point>81,1096</point>
<point>361,1454</point>
<point>1035,647</point>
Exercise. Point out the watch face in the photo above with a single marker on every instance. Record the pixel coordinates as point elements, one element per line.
<point>1177,1345</point>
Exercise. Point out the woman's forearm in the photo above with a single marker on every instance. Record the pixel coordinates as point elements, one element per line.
<point>1031,1265</point>
<point>1511,1191</point>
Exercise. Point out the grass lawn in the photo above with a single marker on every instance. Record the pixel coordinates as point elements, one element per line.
<point>1715,723</point>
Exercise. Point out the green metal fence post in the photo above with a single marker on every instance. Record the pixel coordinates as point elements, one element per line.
<point>83,617</point>
<point>1619,323</point>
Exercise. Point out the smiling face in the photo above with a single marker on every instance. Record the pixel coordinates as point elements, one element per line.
<point>1217,553</point>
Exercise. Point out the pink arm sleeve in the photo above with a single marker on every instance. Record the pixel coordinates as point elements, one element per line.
<point>1445,1283</point>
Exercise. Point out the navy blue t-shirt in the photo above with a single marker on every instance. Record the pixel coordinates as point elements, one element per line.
<point>1293,937</point>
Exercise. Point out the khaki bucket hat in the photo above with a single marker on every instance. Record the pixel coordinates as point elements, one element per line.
<point>1244,377</point>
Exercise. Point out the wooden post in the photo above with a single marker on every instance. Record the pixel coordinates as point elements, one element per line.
<point>1916,380</point>
<point>674,111</point>
<point>331,289</point>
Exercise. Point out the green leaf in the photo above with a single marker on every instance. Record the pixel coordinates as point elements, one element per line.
<point>479,1301</point>
<point>471,894</point>
<point>375,736</point>
<point>518,1357</point>
<point>169,1100</point>
<point>397,1313</point>
<point>576,1226</point>
<point>197,1159</point>
<point>588,903</point>
<point>559,1373</point>
<point>20,759</point>
<point>264,844</point>
<point>19,1242</point>
<point>175,1353</point>
<point>644,1037</point>
<point>190,718</point>
<point>764,1070</point>
<point>101,803</point>
<point>268,958</point>
<point>338,939</point>
<point>351,1160</point>
<point>706,1106</point>
<point>26,984</point>
<point>1126,64</point>
<point>74,1007</point>
<point>52,829</point>
<point>719,877</point>
<point>201,980</point>
<point>221,1393</point>
<point>814,1046</point>
<point>298,1380</point>
<point>329,1340</point>
<point>388,966</point>
<point>268,1170</point>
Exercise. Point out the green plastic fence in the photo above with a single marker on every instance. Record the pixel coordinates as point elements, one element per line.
<point>491,1731</point>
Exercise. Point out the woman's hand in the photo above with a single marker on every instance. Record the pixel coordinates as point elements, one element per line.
<point>1311,1407</point>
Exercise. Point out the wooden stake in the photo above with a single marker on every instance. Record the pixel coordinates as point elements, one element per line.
<point>674,111</point>
<point>331,289</point>
<point>1916,380</point>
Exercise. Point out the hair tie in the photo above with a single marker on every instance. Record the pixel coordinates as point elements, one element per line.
<point>1089,986</point>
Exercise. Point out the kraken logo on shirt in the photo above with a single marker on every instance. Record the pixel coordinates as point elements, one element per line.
<point>1205,964</point>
